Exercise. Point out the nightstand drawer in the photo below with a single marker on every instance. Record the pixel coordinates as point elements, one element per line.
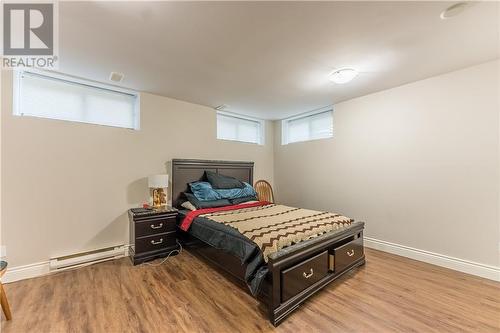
<point>156,242</point>
<point>154,226</point>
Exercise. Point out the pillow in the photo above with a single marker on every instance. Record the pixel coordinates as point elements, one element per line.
<point>203,191</point>
<point>234,193</point>
<point>221,181</point>
<point>237,201</point>
<point>188,205</point>
<point>206,204</point>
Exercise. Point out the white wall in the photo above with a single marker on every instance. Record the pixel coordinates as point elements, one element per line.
<point>67,186</point>
<point>419,163</point>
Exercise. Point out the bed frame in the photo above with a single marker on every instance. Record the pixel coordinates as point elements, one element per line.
<point>295,273</point>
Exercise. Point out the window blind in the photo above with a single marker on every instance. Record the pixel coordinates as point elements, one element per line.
<point>238,129</point>
<point>44,96</point>
<point>308,127</point>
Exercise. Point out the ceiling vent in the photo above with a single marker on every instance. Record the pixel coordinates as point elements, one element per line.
<point>221,107</point>
<point>116,77</point>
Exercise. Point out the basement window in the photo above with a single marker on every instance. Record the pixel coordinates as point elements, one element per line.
<point>239,128</point>
<point>56,96</point>
<point>311,126</point>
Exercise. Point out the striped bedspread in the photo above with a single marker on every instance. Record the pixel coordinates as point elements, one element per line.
<point>273,227</point>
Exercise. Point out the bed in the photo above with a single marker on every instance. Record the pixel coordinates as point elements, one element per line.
<point>281,280</point>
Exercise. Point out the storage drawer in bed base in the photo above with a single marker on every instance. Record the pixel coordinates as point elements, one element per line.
<point>333,261</point>
<point>347,254</point>
<point>328,260</point>
<point>304,274</point>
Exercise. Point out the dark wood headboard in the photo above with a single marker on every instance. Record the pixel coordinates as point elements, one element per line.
<point>186,171</point>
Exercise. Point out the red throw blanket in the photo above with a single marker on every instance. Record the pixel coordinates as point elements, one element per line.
<point>186,223</point>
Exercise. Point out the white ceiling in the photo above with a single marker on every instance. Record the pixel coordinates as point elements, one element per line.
<point>271,59</point>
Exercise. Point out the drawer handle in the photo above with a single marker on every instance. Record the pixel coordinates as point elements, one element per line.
<point>156,226</point>
<point>156,243</point>
<point>350,253</point>
<point>307,276</point>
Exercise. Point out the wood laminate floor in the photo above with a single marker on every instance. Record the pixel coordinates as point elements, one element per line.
<point>388,294</point>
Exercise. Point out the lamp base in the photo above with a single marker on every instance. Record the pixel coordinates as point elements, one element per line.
<point>159,198</point>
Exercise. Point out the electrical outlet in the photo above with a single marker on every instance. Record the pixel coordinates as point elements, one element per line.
<point>3,251</point>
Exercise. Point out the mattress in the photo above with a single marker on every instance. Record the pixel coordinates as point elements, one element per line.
<point>273,227</point>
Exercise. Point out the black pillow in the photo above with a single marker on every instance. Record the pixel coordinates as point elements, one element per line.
<point>206,204</point>
<point>237,201</point>
<point>221,181</point>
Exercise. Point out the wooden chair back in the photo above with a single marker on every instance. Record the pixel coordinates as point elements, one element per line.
<point>264,191</point>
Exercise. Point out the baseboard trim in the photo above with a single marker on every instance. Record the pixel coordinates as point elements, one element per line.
<point>465,266</point>
<point>26,272</point>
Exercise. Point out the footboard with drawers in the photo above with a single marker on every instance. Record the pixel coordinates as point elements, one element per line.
<point>299,274</point>
<point>295,274</point>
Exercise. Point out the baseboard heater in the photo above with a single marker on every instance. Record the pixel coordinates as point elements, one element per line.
<point>87,258</point>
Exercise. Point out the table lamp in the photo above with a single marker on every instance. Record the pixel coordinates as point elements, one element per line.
<point>156,185</point>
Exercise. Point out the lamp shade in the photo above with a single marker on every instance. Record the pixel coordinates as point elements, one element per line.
<point>158,181</point>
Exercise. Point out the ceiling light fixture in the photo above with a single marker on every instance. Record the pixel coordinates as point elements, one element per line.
<point>453,10</point>
<point>343,75</point>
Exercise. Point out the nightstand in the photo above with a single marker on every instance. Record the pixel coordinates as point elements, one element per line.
<point>152,233</point>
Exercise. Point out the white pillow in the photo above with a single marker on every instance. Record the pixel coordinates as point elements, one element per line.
<point>188,205</point>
